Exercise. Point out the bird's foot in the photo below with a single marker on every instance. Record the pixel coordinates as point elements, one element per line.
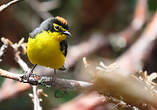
<point>25,77</point>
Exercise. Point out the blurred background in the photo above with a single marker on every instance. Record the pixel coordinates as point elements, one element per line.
<point>88,20</point>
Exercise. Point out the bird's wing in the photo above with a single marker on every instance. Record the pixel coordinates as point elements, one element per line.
<point>64,47</point>
<point>45,25</point>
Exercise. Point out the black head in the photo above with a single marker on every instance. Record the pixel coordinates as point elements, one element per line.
<point>59,24</point>
<point>56,24</point>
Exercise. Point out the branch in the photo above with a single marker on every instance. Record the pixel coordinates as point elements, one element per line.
<point>16,47</point>
<point>3,47</point>
<point>125,36</point>
<point>131,61</point>
<point>10,75</point>
<point>132,90</point>
<point>45,80</point>
<point>36,100</point>
<point>4,6</point>
<point>22,64</point>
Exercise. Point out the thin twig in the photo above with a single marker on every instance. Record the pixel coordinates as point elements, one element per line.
<point>4,6</point>
<point>3,48</point>
<point>36,100</point>
<point>6,74</point>
<point>16,47</point>
<point>22,64</point>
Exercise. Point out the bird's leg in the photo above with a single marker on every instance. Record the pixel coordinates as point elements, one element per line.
<point>53,77</point>
<point>32,69</point>
<point>29,73</point>
<point>54,72</point>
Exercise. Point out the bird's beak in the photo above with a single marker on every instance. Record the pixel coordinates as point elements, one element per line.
<point>67,33</point>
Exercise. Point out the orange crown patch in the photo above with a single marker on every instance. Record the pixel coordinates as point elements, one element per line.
<point>62,20</point>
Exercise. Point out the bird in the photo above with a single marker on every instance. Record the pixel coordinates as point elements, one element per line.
<point>47,44</point>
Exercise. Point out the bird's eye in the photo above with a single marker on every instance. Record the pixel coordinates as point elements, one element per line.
<point>56,27</point>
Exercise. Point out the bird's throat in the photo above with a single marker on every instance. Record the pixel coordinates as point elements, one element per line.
<point>57,35</point>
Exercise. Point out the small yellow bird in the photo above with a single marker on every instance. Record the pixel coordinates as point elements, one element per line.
<point>47,44</point>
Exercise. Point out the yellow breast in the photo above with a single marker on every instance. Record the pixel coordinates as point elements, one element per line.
<point>44,50</point>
